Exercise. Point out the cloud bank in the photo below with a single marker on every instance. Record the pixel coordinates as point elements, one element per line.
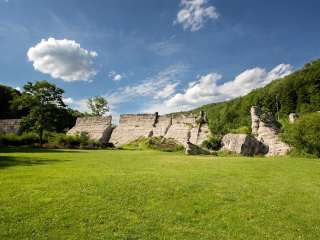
<point>207,89</point>
<point>63,59</point>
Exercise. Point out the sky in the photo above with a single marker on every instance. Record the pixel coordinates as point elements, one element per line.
<point>155,55</point>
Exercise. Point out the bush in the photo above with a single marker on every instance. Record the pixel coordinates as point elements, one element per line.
<point>12,139</point>
<point>241,130</point>
<point>213,143</point>
<point>304,134</point>
<point>82,140</point>
<point>155,143</point>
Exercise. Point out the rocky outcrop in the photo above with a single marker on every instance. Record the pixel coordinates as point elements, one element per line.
<point>181,128</point>
<point>243,144</point>
<point>98,128</point>
<point>265,131</point>
<point>10,126</point>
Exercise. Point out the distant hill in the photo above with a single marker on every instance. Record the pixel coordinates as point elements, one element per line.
<point>298,92</point>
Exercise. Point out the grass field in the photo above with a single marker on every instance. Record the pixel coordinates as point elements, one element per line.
<point>154,195</point>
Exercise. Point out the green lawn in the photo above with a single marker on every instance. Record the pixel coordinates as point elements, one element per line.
<point>153,195</point>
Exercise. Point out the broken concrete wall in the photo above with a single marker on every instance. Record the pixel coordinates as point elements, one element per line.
<point>132,127</point>
<point>180,128</point>
<point>98,128</point>
<point>10,126</point>
<point>243,144</point>
<point>266,132</point>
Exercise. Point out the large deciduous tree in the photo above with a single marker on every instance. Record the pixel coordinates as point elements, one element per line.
<point>98,106</point>
<point>44,100</point>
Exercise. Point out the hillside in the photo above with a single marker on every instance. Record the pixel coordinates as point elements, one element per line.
<point>298,92</point>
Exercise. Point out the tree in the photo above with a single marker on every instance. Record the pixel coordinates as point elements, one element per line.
<point>43,99</point>
<point>98,106</point>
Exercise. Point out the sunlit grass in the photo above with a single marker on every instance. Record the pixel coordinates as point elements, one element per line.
<point>155,195</point>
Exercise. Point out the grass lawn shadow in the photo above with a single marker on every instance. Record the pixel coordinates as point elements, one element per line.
<point>36,150</point>
<point>6,161</point>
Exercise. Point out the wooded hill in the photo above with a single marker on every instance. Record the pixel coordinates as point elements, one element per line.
<point>296,93</point>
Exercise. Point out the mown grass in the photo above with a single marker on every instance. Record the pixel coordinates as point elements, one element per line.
<point>155,195</point>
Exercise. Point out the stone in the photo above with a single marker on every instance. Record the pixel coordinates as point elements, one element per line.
<point>10,126</point>
<point>181,128</point>
<point>243,144</point>
<point>293,117</point>
<point>132,127</point>
<point>98,128</point>
<point>192,149</point>
<point>265,131</point>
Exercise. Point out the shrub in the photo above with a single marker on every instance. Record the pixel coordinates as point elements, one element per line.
<point>25,139</point>
<point>304,134</point>
<point>213,143</point>
<point>82,140</point>
<point>155,143</point>
<point>241,130</point>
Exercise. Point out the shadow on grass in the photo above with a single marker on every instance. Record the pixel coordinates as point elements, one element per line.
<point>6,161</point>
<point>35,150</point>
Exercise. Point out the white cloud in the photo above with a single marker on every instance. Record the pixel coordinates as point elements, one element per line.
<point>68,100</point>
<point>115,76</point>
<point>195,13</point>
<point>208,90</point>
<point>63,59</point>
<point>162,85</point>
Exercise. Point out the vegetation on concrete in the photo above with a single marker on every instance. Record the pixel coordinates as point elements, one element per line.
<point>154,143</point>
<point>82,194</point>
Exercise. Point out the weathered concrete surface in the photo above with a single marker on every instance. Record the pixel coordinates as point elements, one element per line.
<point>243,144</point>
<point>180,128</point>
<point>10,126</point>
<point>132,127</point>
<point>98,128</point>
<point>266,132</point>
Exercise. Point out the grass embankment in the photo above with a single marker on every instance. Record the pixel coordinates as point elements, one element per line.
<point>156,195</point>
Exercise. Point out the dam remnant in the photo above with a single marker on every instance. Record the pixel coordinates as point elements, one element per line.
<point>182,128</point>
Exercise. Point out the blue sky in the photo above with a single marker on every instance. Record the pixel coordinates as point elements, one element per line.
<point>152,55</point>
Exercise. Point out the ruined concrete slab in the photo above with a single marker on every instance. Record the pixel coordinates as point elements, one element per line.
<point>180,128</point>
<point>266,132</point>
<point>10,126</point>
<point>98,128</point>
<point>243,144</point>
<point>132,127</point>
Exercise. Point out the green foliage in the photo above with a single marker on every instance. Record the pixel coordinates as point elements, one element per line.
<point>304,134</point>
<point>7,94</point>
<point>11,139</point>
<point>154,143</point>
<point>98,106</point>
<point>298,92</point>
<point>44,101</point>
<point>241,130</point>
<point>81,140</point>
<point>213,143</point>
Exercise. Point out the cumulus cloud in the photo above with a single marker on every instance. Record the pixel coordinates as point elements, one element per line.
<point>195,13</point>
<point>115,76</point>
<point>207,89</point>
<point>63,59</point>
